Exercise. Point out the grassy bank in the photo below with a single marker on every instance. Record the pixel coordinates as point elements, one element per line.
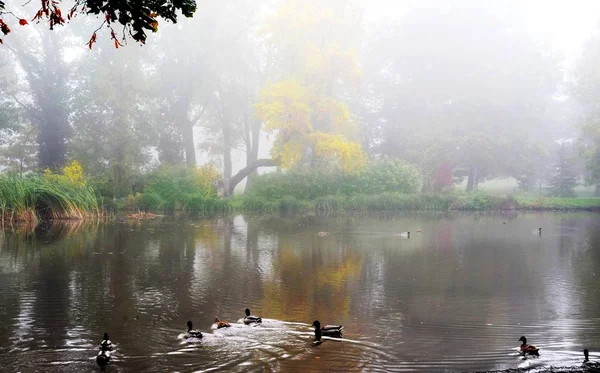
<point>415,202</point>
<point>49,196</point>
<point>549,203</point>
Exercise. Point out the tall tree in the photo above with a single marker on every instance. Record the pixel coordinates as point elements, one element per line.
<point>113,117</point>
<point>46,102</point>
<point>564,176</point>
<point>586,89</point>
<point>306,104</point>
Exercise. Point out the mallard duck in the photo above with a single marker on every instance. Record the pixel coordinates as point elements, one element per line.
<point>192,333</point>
<point>321,234</point>
<point>334,331</point>
<point>405,234</point>
<point>105,350</point>
<point>536,231</point>
<point>249,319</point>
<point>527,349</point>
<point>221,324</point>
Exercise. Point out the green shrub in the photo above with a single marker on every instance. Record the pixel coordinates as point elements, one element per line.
<point>305,184</point>
<point>179,188</point>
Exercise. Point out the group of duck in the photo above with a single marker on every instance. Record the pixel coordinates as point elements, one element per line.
<point>192,335</point>
<point>333,331</point>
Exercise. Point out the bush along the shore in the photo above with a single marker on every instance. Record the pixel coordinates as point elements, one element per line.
<point>307,184</point>
<point>63,195</point>
<point>179,189</point>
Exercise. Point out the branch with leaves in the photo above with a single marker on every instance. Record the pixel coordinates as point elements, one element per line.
<point>136,18</point>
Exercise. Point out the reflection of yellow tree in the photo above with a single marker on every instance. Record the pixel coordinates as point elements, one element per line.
<point>300,286</point>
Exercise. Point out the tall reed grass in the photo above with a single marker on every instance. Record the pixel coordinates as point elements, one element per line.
<point>33,198</point>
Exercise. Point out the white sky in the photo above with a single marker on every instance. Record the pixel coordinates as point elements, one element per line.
<point>567,22</point>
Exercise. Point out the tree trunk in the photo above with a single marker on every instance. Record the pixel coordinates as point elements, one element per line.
<point>476,181</point>
<point>471,179</point>
<point>52,142</point>
<point>188,142</point>
<point>252,154</point>
<point>48,78</point>
<point>235,180</point>
<point>227,166</point>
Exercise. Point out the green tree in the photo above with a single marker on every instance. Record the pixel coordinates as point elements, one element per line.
<point>45,100</point>
<point>113,129</point>
<point>586,89</point>
<point>564,178</point>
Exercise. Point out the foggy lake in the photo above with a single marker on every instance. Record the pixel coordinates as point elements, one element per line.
<point>455,296</point>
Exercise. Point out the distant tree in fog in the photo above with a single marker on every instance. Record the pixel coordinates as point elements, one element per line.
<point>586,88</point>
<point>464,83</point>
<point>563,178</point>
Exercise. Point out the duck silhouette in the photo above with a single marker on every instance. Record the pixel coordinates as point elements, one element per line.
<point>333,331</point>
<point>105,348</point>
<point>192,333</point>
<point>250,319</point>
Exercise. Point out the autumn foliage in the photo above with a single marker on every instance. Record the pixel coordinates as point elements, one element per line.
<point>303,108</point>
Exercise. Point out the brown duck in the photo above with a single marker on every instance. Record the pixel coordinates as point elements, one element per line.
<point>221,323</point>
<point>527,349</point>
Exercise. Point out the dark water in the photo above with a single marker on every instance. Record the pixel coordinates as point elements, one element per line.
<point>455,297</point>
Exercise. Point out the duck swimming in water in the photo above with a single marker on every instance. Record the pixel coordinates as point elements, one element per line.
<point>250,319</point>
<point>536,231</point>
<point>221,324</point>
<point>192,333</point>
<point>527,349</point>
<point>405,234</point>
<point>105,351</point>
<point>333,331</point>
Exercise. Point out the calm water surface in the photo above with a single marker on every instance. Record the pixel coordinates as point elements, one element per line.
<point>455,297</point>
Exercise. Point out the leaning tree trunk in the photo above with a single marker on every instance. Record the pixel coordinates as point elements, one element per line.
<point>235,180</point>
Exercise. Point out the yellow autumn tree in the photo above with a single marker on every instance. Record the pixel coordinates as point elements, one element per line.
<point>303,107</point>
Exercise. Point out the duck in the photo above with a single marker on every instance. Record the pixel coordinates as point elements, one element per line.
<point>192,333</point>
<point>527,349</point>
<point>419,231</point>
<point>322,234</point>
<point>536,231</point>
<point>105,348</point>
<point>249,319</point>
<point>221,324</point>
<point>333,331</point>
<point>405,234</point>
<point>586,356</point>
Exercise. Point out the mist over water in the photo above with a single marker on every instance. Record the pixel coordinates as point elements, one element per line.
<point>455,297</point>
